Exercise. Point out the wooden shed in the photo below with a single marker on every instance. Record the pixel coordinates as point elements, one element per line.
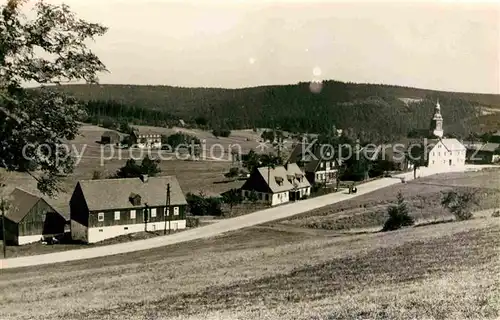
<point>30,218</point>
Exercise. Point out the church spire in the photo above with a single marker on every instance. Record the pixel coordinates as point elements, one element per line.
<point>437,122</point>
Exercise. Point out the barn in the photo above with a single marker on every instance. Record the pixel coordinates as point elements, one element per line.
<point>30,218</point>
<point>110,137</point>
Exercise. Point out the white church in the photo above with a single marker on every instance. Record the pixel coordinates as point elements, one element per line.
<point>443,154</point>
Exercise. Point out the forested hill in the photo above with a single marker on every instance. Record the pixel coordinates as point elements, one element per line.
<point>381,110</point>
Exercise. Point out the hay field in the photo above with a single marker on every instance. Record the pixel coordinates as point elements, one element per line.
<point>193,176</point>
<point>444,271</point>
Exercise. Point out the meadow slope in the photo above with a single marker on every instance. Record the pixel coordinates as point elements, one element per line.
<point>444,271</point>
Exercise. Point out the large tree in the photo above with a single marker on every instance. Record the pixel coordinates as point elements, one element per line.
<point>48,49</point>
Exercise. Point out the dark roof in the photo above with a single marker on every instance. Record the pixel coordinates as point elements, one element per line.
<point>490,147</point>
<point>109,194</point>
<point>20,203</point>
<point>311,156</point>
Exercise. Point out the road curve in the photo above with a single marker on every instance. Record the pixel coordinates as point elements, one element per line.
<point>211,230</point>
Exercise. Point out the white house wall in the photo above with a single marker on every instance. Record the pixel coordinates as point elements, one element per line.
<point>439,158</point>
<point>29,239</point>
<point>103,233</point>
<point>78,231</point>
<point>279,198</point>
<point>323,175</point>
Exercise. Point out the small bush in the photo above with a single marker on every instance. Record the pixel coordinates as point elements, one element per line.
<point>221,133</point>
<point>398,216</point>
<point>192,222</point>
<point>496,214</point>
<point>96,175</point>
<point>460,203</point>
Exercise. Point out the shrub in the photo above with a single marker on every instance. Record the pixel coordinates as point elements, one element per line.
<point>233,173</point>
<point>496,214</point>
<point>221,133</point>
<point>192,222</point>
<point>109,124</point>
<point>96,175</point>
<point>460,203</point>
<point>398,215</point>
<point>200,205</point>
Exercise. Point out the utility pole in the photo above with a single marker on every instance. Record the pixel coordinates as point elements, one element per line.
<point>146,216</point>
<point>3,206</point>
<point>167,210</point>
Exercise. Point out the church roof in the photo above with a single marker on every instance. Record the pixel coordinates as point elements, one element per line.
<point>453,144</point>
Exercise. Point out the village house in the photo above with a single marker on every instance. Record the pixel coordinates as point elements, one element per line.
<point>394,156</point>
<point>445,154</point>
<point>103,209</point>
<point>147,139</point>
<point>318,161</point>
<point>277,185</point>
<point>29,218</point>
<point>110,137</point>
<point>483,153</point>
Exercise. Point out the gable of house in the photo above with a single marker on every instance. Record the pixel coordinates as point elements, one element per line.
<point>256,182</point>
<point>20,204</point>
<point>32,215</point>
<point>79,210</point>
<point>310,158</point>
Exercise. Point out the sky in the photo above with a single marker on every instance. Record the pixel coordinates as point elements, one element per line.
<point>448,45</point>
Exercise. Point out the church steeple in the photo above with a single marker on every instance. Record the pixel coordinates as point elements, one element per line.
<point>437,122</point>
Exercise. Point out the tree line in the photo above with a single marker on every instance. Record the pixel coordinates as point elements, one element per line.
<point>373,111</point>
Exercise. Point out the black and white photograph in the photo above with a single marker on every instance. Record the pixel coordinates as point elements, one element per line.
<point>249,159</point>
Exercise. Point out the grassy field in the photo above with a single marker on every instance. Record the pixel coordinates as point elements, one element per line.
<point>423,197</point>
<point>444,271</point>
<point>193,176</point>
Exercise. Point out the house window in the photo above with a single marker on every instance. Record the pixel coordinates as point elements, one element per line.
<point>100,216</point>
<point>439,154</point>
<point>153,213</point>
<point>321,165</point>
<point>132,214</point>
<point>100,230</point>
<point>433,154</point>
<point>176,211</point>
<point>167,211</point>
<point>267,197</point>
<point>117,215</point>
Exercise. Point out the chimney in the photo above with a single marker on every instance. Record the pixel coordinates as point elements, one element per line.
<point>144,178</point>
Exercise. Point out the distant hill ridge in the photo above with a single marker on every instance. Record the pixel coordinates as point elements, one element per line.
<point>386,111</point>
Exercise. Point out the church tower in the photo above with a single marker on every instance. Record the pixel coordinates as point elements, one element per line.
<point>437,122</point>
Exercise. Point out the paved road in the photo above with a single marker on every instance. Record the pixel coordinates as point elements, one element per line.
<point>211,230</point>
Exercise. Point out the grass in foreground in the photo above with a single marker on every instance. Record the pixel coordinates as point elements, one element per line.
<point>434,272</point>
